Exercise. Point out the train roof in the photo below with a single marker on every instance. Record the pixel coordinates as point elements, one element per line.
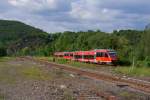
<point>104,50</point>
<point>86,52</point>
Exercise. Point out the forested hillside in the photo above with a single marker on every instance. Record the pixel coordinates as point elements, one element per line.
<point>147,27</point>
<point>131,45</point>
<point>17,38</point>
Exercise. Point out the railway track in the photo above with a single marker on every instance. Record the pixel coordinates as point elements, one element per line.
<point>132,83</point>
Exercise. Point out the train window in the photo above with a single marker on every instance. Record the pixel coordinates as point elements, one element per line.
<point>113,54</point>
<point>99,54</point>
<point>64,54</point>
<point>91,56</point>
<point>85,56</point>
<point>78,56</point>
<point>71,55</point>
<point>106,55</point>
<point>60,55</point>
<point>88,56</point>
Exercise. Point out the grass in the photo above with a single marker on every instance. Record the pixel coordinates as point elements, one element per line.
<point>68,95</point>
<point>69,62</point>
<point>136,71</point>
<point>35,73</point>
<point>5,74</point>
<point>127,95</point>
<point>11,71</point>
<point>3,59</point>
<point>73,63</point>
<point>2,97</point>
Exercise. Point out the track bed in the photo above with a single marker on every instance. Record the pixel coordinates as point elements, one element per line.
<point>23,79</point>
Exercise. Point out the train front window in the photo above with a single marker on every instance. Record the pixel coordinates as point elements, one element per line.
<point>112,54</point>
<point>99,54</point>
<point>106,55</point>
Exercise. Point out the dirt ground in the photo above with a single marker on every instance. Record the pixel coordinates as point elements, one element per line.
<point>26,80</point>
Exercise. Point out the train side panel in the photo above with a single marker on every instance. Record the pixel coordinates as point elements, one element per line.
<point>99,56</point>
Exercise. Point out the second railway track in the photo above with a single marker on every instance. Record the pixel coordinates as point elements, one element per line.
<point>136,84</point>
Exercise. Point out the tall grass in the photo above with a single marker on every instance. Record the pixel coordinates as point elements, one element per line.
<point>136,71</point>
<point>72,63</point>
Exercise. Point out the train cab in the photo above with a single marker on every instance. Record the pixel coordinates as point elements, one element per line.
<point>106,56</point>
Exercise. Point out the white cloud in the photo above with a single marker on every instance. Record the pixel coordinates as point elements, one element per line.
<point>63,15</point>
<point>18,2</point>
<point>39,5</point>
<point>89,10</point>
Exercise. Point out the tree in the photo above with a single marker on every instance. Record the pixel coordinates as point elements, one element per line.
<point>3,51</point>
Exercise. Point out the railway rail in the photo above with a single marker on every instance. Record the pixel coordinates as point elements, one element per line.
<point>143,86</point>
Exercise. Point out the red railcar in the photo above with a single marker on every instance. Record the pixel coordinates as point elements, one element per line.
<point>59,54</point>
<point>99,56</point>
<point>84,56</point>
<point>78,56</point>
<point>68,55</point>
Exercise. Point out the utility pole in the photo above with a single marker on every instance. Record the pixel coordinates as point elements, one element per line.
<point>133,62</point>
<point>133,58</point>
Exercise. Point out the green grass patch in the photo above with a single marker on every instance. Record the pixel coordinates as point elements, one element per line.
<point>6,74</point>
<point>127,95</point>
<point>68,62</point>
<point>2,97</point>
<point>35,73</point>
<point>4,59</point>
<point>11,71</point>
<point>50,58</point>
<point>67,95</point>
<point>136,71</point>
<point>73,63</point>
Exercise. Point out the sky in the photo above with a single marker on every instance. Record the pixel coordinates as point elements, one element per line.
<point>78,15</point>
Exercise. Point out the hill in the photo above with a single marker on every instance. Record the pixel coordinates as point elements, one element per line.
<point>147,27</point>
<point>15,35</point>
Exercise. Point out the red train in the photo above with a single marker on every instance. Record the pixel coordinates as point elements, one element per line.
<point>99,56</point>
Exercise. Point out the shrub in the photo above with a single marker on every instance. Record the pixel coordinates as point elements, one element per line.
<point>3,52</point>
<point>124,62</point>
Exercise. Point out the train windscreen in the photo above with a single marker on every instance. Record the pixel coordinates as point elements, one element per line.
<point>112,54</point>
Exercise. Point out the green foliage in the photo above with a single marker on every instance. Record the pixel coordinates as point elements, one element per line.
<point>20,39</point>
<point>3,51</point>
<point>65,42</point>
<point>17,39</point>
<point>146,43</point>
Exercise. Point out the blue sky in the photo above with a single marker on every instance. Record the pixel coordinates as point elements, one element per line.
<point>77,15</point>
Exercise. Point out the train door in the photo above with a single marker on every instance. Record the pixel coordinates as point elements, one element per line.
<point>99,57</point>
<point>102,57</point>
<point>105,57</point>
